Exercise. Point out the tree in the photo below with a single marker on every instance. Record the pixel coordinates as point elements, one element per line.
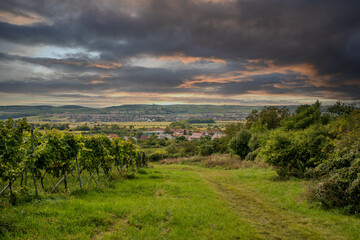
<point>271,117</point>
<point>232,129</point>
<point>206,149</point>
<point>341,108</point>
<point>304,116</point>
<point>239,143</point>
<point>183,124</point>
<point>252,118</point>
<point>168,130</point>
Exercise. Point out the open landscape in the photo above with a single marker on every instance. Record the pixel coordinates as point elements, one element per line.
<point>276,175</point>
<point>180,119</point>
<point>183,202</point>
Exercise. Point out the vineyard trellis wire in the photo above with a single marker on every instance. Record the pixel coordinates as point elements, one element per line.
<point>60,153</point>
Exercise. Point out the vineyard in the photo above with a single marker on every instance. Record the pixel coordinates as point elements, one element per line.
<point>52,157</point>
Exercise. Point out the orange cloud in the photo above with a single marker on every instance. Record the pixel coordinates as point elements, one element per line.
<point>96,81</point>
<point>286,85</point>
<point>180,57</point>
<point>30,18</point>
<point>308,70</point>
<point>100,79</point>
<point>305,69</point>
<point>104,66</point>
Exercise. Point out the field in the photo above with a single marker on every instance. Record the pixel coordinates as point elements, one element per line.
<point>182,202</point>
<point>136,125</point>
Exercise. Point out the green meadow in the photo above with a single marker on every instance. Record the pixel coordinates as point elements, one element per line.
<point>181,202</point>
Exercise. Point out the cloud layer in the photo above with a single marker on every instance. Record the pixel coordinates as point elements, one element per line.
<point>96,52</point>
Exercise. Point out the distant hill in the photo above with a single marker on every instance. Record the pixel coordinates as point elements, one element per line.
<point>138,110</point>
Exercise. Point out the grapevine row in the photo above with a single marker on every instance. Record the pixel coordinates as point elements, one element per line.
<point>58,153</point>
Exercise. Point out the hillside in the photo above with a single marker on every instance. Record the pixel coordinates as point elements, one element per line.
<point>140,112</point>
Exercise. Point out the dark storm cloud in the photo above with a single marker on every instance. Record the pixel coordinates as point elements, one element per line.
<point>322,33</point>
<point>129,79</point>
<point>75,64</point>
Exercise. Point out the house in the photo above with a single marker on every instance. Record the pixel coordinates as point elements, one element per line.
<point>153,132</point>
<point>127,138</point>
<point>144,137</point>
<point>196,135</point>
<point>163,136</point>
<point>154,129</point>
<point>178,131</point>
<point>217,135</point>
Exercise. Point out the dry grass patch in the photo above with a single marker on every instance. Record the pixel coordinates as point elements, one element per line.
<point>224,161</point>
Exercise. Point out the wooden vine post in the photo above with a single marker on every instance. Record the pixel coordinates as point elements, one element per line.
<point>32,163</point>
<point>78,170</point>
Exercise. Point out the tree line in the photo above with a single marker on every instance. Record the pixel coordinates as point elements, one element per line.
<point>322,146</point>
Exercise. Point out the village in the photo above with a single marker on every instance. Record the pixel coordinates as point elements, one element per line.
<point>171,134</point>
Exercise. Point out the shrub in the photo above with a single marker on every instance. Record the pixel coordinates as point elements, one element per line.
<point>221,145</point>
<point>339,176</point>
<point>295,153</point>
<point>157,155</point>
<point>340,188</point>
<point>240,143</point>
<point>252,155</point>
<point>281,151</point>
<point>187,149</point>
<point>304,116</point>
<point>206,149</point>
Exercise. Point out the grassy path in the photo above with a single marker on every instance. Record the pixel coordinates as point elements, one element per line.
<point>181,202</point>
<point>268,221</point>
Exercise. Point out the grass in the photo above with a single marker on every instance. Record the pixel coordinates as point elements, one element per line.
<point>221,161</point>
<point>181,202</point>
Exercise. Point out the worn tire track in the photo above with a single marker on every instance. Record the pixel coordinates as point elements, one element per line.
<point>267,221</point>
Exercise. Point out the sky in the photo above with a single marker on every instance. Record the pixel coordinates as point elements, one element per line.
<point>236,52</point>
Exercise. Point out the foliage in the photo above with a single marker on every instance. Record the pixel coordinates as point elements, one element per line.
<point>341,108</point>
<point>240,143</point>
<point>13,151</point>
<point>232,129</point>
<point>270,117</point>
<point>305,115</point>
<point>184,124</point>
<point>207,149</point>
<point>56,152</point>
<point>339,175</point>
<point>83,127</point>
<point>294,153</point>
<point>201,120</point>
<point>59,126</point>
<point>221,145</point>
<point>157,155</point>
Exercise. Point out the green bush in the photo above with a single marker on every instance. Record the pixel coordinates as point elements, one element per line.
<point>221,145</point>
<point>206,149</point>
<point>340,188</point>
<point>253,155</point>
<point>304,117</point>
<point>157,155</point>
<point>240,143</point>
<point>295,153</point>
<point>339,176</point>
<point>281,151</point>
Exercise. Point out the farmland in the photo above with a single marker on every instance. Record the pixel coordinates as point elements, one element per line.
<point>276,176</point>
